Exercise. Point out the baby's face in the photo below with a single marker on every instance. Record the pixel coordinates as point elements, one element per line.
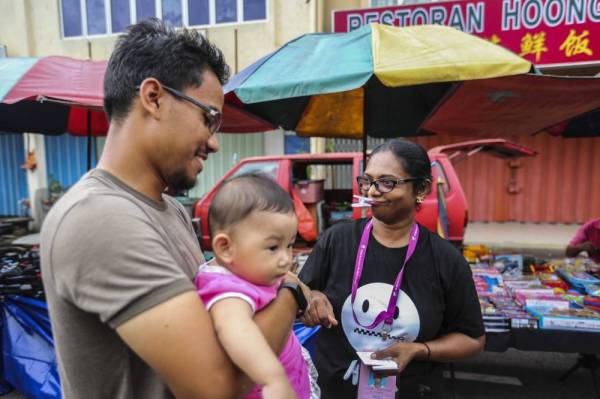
<point>263,246</point>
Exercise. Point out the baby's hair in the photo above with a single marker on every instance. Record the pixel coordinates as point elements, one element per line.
<point>239,196</point>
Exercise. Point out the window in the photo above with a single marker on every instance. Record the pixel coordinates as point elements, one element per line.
<point>171,12</point>
<point>80,18</point>
<point>71,18</point>
<point>144,9</point>
<point>268,168</point>
<point>198,12</point>
<point>383,3</point>
<point>120,15</point>
<point>255,10</point>
<point>225,11</point>
<point>96,17</point>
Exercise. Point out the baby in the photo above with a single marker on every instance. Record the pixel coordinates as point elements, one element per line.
<point>253,227</point>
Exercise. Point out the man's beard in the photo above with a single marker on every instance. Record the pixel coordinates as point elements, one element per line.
<point>180,181</point>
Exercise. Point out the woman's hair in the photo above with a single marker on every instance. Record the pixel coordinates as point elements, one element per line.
<point>239,196</point>
<point>414,160</point>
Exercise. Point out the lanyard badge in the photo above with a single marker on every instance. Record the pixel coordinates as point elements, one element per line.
<point>385,316</point>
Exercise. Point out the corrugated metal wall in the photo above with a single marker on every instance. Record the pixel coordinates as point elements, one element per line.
<point>13,179</point>
<point>233,147</point>
<point>560,185</point>
<point>66,158</point>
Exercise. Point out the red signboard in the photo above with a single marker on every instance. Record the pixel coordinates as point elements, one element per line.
<point>546,32</point>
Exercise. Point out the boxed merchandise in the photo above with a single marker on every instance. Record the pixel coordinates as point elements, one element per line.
<point>567,319</point>
<point>529,322</point>
<point>577,279</point>
<point>543,301</point>
<point>552,280</point>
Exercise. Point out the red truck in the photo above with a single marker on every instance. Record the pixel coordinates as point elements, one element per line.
<point>335,193</point>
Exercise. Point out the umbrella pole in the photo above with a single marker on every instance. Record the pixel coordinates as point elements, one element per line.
<point>89,139</point>
<point>364,150</point>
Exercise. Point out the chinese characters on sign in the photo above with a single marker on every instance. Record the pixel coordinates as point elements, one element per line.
<point>546,32</point>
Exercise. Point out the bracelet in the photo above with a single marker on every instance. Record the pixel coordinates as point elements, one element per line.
<point>428,351</point>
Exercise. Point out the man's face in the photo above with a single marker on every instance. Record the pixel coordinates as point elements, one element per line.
<point>185,138</point>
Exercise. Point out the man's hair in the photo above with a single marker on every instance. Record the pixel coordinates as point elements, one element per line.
<point>239,196</point>
<point>177,58</point>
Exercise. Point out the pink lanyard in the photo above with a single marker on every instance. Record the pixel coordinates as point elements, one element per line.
<point>385,315</point>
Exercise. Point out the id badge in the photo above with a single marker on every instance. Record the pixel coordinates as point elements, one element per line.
<point>369,389</point>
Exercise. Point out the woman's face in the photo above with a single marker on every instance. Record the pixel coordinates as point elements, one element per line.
<point>398,204</point>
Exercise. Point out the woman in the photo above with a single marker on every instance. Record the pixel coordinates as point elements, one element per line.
<point>433,315</point>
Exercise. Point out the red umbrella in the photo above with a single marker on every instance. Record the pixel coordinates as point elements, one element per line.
<point>54,95</point>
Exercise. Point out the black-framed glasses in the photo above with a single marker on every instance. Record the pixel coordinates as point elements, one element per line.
<point>383,185</point>
<point>213,116</point>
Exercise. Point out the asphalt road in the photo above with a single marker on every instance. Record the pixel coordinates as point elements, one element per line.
<point>511,375</point>
<point>528,375</point>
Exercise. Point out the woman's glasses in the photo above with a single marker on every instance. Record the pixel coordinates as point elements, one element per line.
<point>383,185</point>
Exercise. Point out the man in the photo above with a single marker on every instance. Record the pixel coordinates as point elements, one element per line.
<point>586,239</point>
<point>119,256</point>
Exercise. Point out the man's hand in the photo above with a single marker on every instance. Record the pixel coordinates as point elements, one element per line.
<point>589,248</point>
<point>402,353</point>
<point>320,311</point>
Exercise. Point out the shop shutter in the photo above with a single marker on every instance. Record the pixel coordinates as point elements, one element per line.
<point>13,179</point>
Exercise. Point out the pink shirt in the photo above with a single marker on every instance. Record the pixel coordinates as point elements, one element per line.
<point>589,232</point>
<point>216,282</point>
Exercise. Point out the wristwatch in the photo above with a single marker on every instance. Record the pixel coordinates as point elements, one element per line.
<point>298,296</point>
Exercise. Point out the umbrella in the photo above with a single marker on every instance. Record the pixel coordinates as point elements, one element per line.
<point>67,96</point>
<point>54,95</point>
<point>521,105</point>
<point>378,80</point>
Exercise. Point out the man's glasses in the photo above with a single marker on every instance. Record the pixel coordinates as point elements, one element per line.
<point>213,117</point>
<point>383,185</point>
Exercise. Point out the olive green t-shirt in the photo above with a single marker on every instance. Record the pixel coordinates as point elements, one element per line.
<point>110,253</point>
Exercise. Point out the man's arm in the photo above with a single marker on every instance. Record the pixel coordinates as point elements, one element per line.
<point>177,339</point>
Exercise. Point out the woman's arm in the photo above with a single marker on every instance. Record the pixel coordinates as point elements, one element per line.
<point>248,348</point>
<point>454,346</point>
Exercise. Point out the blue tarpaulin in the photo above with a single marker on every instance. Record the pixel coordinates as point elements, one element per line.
<point>28,356</point>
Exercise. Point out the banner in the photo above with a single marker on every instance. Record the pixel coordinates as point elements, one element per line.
<point>545,32</point>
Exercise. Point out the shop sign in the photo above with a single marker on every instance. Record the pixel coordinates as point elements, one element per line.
<point>546,32</point>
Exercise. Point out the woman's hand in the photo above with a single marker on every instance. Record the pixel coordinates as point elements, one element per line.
<point>402,353</point>
<point>320,311</point>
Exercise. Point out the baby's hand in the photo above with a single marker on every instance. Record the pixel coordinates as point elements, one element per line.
<point>279,389</point>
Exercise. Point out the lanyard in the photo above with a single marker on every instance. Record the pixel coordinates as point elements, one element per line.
<point>385,315</point>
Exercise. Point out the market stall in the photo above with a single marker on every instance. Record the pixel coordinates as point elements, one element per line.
<point>533,304</point>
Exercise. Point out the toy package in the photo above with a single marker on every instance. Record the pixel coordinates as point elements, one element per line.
<point>567,319</point>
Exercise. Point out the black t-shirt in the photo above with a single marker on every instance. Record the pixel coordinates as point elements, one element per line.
<point>437,297</point>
